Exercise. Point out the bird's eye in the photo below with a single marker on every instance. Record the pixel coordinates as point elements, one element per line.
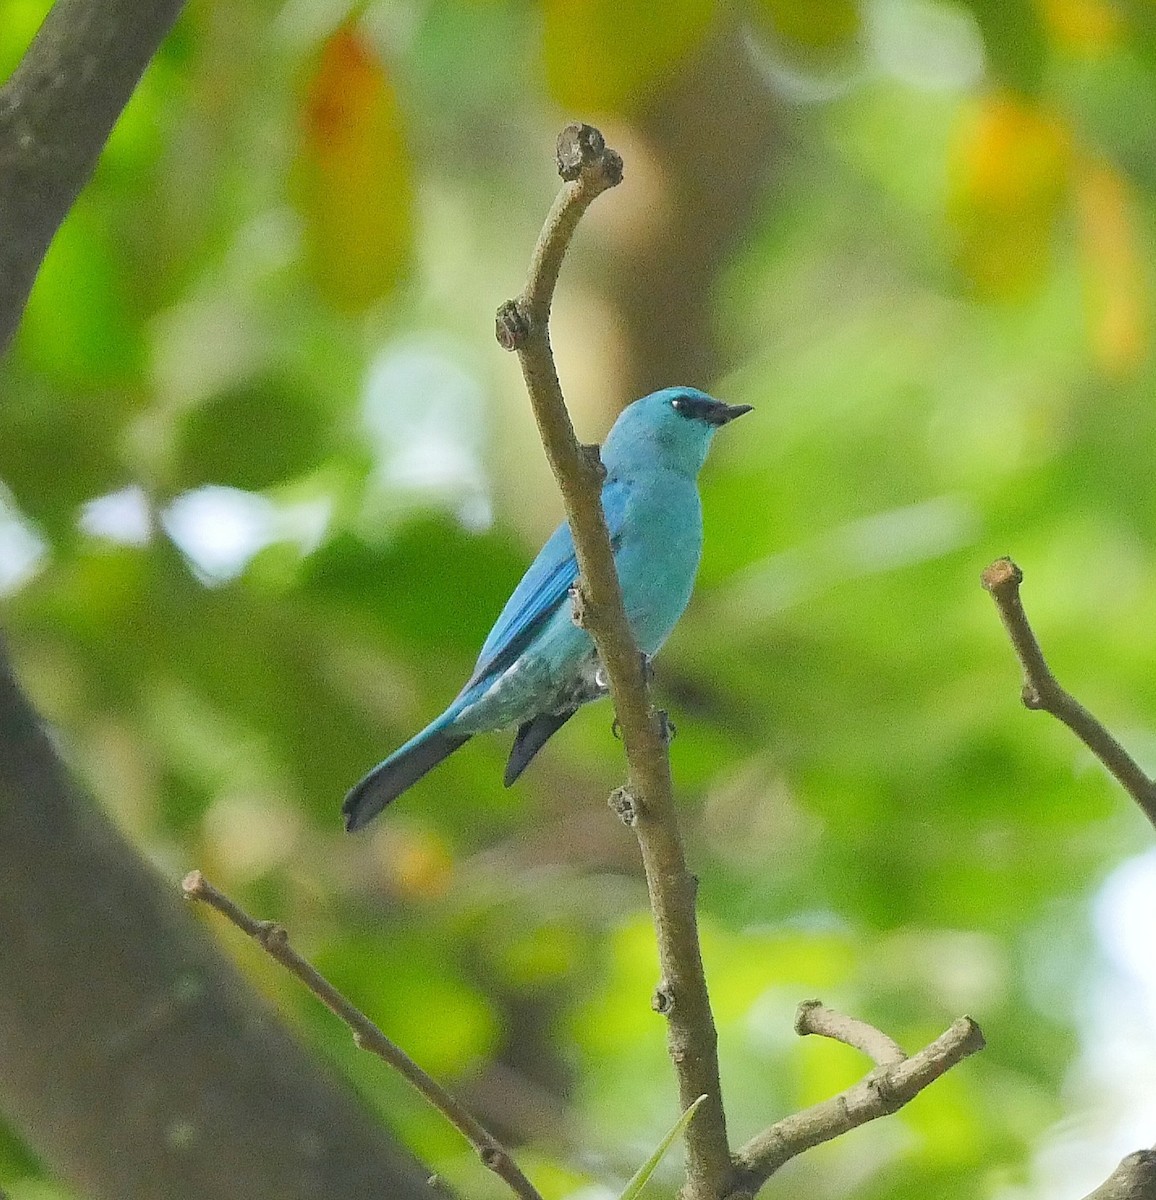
<point>678,405</point>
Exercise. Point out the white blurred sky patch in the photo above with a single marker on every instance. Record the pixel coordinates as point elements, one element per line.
<point>923,44</point>
<point>425,416</point>
<point>219,529</point>
<point>1111,1088</point>
<point>121,517</point>
<point>22,550</point>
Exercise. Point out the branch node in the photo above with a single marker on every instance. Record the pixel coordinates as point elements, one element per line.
<point>882,1084</point>
<point>625,805</point>
<point>663,1000</point>
<point>270,934</point>
<point>511,326</point>
<point>579,605</point>
<point>667,730</point>
<point>592,460</point>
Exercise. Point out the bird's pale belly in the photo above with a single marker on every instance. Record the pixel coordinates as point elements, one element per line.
<point>530,688</point>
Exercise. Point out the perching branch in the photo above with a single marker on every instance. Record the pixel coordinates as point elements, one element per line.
<point>1041,690</point>
<point>588,168</point>
<point>1133,1179</point>
<point>275,942</point>
<point>896,1080</point>
<point>56,113</point>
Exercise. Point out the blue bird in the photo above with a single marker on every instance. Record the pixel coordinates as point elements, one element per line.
<point>537,667</point>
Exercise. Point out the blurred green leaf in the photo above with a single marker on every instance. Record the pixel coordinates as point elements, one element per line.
<point>1014,37</point>
<point>59,449</point>
<point>607,56</point>
<point>79,328</point>
<point>814,25</point>
<point>258,433</point>
<point>1011,169</point>
<point>353,177</point>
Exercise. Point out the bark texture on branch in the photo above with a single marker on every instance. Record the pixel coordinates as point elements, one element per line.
<point>1133,1179</point>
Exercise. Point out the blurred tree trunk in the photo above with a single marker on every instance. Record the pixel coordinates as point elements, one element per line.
<point>716,135</point>
<point>133,1057</point>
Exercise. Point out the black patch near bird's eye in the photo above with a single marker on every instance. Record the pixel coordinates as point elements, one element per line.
<point>696,408</point>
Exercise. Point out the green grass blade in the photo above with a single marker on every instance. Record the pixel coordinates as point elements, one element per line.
<point>643,1174</point>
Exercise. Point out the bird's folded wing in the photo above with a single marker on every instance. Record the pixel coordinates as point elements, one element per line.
<point>542,589</point>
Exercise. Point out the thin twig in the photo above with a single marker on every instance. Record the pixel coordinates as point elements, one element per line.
<point>589,168</point>
<point>1133,1179</point>
<point>1042,691</point>
<point>813,1016</point>
<point>275,942</point>
<point>885,1090</point>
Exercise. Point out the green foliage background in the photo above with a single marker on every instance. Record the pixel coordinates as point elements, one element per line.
<point>281,283</point>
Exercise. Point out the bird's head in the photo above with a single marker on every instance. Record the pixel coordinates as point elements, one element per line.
<point>675,425</point>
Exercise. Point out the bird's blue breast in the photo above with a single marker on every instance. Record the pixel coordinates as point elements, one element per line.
<point>658,555</point>
<point>536,659</point>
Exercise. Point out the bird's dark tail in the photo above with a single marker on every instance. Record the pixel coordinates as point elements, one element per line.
<point>403,768</point>
<point>532,736</point>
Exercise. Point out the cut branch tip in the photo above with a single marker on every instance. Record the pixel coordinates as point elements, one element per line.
<point>582,151</point>
<point>1002,573</point>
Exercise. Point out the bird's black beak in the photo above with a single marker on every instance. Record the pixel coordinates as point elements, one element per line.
<point>725,413</point>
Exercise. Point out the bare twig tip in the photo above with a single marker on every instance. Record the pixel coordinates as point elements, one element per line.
<point>193,885</point>
<point>579,146</point>
<point>1001,574</point>
<point>803,1016</point>
<point>582,150</point>
<point>971,1035</point>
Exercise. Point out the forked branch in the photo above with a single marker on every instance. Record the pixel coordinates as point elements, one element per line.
<point>896,1080</point>
<point>1041,690</point>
